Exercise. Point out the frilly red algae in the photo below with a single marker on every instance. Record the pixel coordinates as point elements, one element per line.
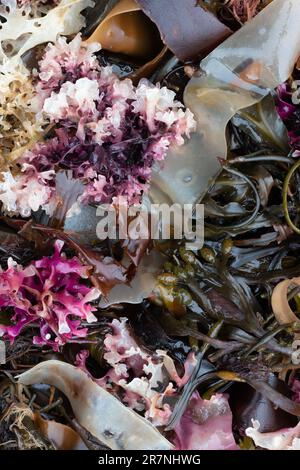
<point>51,293</point>
<point>108,132</point>
<point>65,18</point>
<point>145,380</point>
<point>103,415</point>
<point>236,75</point>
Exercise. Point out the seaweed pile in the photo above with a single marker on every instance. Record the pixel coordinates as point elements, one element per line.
<point>193,349</point>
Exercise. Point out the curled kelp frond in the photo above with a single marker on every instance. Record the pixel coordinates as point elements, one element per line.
<point>126,30</point>
<point>280,300</point>
<point>97,410</point>
<point>122,27</point>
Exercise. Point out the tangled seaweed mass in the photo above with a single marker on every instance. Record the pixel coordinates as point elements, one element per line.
<point>174,348</point>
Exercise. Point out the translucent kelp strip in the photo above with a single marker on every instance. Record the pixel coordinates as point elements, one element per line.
<point>236,75</point>
<point>98,411</point>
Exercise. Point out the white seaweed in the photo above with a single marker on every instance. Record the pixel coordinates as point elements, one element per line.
<point>65,19</point>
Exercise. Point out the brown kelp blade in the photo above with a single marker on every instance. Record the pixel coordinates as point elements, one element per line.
<point>127,30</point>
<point>188,30</point>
